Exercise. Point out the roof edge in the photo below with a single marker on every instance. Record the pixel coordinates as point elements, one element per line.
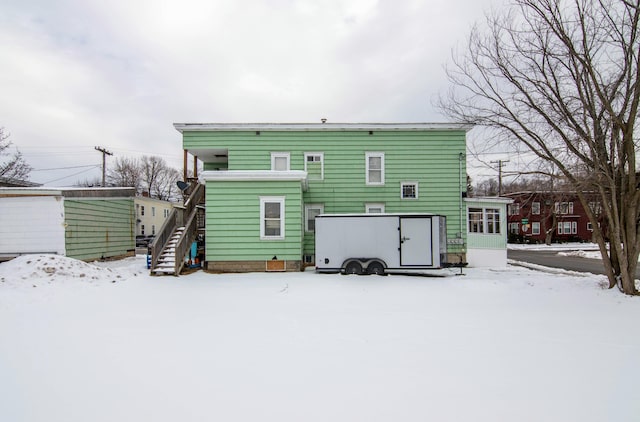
<point>201,127</point>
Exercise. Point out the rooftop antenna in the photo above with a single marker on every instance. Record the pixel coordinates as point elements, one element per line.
<point>323,120</point>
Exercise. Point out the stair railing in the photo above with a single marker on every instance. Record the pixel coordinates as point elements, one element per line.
<point>184,243</point>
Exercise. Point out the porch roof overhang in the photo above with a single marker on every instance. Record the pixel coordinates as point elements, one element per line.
<point>253,175</point>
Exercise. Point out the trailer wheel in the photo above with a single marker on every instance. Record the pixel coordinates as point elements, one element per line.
<point>353,267</point>
<point>376,268</point>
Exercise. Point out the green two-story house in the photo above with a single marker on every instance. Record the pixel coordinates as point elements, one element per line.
<point>265,183</point>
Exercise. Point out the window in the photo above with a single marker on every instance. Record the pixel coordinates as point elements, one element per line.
<point>567,227</point>
<point>280,161</point>
<point>166,213</point>
<point>484,220</point>
<point>589,226</point>
<point>153,211</point>
<point>535,208</point>
<point>153,230</point>
<point>596,207</point>
<point>493,220</point>
<point>142,210</point>
<point>514,209</point>
<point>564,207</point>
<point>311,212</point>
<point>514,228</point>
<point>271,217</point>
<point>409,190</point>
<point>535,228</point>
<point>374,208</point>
<point>476,221</point>
<point>314,165</point>
<point>375,168</point>
<point>142,230</point>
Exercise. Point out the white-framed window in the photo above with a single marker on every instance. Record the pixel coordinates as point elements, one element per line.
<point>375,168</point>
<point>492,216</point>
<point>311,211</point>
<point>280,161</point>
<point>535,208</point>
<point>589,226</point>
<point>514,228</point>
<point>142,229</point>
<point>564,207</point>
<point>484,220</point>
<point>476,220</point>
<point>314,165</point>
<point>374,208</point>
<point>142,210</point>
<point>153,229</point>
<point>535,227</point>
<point>409,190</point>
<point>514,209</point>
<point>567,227</point>
<point>271,217</point>
<point>166,213</point>
<point>153,211</point>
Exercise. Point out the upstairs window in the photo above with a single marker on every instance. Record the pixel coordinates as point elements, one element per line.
<point>314,165</point>
<point>409,190</point>
<point>514,209</point>
<point>375,168</point>
<point>271,217</point>
<point>142,210</point>
<point>280,161</point>
<point>535,208</point>
<point>564,207</point>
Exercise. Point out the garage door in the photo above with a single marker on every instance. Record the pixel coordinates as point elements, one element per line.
<point>32,224</point>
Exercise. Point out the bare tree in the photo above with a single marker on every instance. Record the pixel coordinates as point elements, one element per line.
<point>125,172</point>
<point>15,167</point>
<point>562,79</point>
<point>159,180</point>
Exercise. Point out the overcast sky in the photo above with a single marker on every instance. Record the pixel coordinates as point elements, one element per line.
<point>76,74</point>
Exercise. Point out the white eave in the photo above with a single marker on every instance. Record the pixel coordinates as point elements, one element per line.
<point>310,127</point>
<point>490,199</point>
<point>253,175</point>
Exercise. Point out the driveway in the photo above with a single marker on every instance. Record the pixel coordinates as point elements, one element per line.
<point>553,260</point>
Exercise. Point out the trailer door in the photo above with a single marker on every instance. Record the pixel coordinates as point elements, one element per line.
<point>415,242</point>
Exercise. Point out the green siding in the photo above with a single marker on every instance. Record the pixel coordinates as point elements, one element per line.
<point>430,157</point>
<point>489,241</point>
<point>233,221</point>
<point>97,228</point>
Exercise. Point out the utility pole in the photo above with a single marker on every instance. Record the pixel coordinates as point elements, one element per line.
<point>500,164</point>
<point>104,162</point>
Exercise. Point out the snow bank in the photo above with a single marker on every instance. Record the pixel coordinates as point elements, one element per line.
<point>36,270</point>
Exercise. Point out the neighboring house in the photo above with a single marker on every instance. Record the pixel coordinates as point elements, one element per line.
<point>265,183</point>
<point>559,215</point>
<point>81,223</point>
<point>150,215</point>
<point>487,231</point>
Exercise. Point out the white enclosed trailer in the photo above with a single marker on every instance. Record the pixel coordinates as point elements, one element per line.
<point>380,243</point>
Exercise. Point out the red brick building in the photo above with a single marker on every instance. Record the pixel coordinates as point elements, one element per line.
<point>534,215</point>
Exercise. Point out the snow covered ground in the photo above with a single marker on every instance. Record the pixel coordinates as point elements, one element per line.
<point>107,342</point>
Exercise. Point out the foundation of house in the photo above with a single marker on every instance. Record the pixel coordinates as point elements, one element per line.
<point>253,266</point>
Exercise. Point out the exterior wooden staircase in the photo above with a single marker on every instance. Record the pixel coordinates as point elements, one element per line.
<point>176,235</point>
<point>167,260</point>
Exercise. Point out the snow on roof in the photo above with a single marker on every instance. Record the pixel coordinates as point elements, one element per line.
<point>194,127</point>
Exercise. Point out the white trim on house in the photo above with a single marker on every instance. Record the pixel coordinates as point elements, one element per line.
<point>263,218</point>
<point>367,161</point>
<point>193,127</point>
<point>257,175</point>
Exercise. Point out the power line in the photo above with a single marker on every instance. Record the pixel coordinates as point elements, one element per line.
<point>67,168</point>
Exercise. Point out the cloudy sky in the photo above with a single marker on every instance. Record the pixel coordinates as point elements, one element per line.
<point>76,74</point>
